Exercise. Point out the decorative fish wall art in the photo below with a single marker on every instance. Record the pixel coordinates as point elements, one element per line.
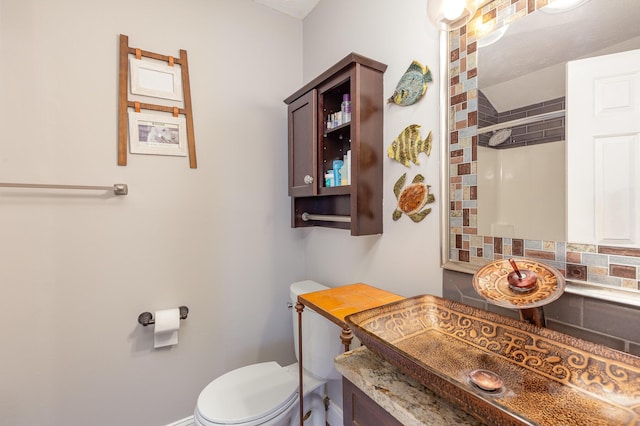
<point>413,198</point>
<point>412,85</point>
<point>408,145</point>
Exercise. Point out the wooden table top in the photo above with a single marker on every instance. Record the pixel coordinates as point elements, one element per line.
<point>338,302</point>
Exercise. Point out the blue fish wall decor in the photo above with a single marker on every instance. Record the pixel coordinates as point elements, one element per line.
<point>412,85</point>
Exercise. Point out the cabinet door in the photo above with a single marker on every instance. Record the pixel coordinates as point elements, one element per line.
<point>361,410</point>
<point>303,142</point>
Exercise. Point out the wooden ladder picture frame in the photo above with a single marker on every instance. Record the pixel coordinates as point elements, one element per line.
<point>124,103</point>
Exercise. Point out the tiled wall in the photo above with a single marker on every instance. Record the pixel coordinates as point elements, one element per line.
<point>487,116</point>
<point>543,131</point>
<point>611,266</point>
<point>606,323</point>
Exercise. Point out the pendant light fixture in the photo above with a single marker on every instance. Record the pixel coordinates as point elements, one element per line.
<point>449,15</point>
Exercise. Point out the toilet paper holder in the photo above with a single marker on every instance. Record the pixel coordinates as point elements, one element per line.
<point>146,318</point>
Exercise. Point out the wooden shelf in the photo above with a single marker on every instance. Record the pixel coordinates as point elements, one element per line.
<point>338,302</point>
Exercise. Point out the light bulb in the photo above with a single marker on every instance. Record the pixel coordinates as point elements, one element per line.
<point>445,13</point>
<point>452,9</point>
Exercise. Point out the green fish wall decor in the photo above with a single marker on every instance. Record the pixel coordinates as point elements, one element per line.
<point>408,145</point>
<point>413,198</point>
<point>412,85</point>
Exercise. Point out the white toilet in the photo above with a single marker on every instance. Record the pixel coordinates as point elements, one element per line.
<point>267,393</point>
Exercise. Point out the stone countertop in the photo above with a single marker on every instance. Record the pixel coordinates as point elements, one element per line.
<point>400,395</point>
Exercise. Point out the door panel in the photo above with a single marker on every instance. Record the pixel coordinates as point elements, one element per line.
<point>603,152</point>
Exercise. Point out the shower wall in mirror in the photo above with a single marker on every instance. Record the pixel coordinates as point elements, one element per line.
<point>468,248</point>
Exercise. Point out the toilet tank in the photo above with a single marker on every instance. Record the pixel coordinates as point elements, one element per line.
<point>320,337</point>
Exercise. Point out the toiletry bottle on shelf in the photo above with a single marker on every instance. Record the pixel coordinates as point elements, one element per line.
<point>347,166</point>
<point>337,168</point>
<point>328,179</point>
<point>343,176</point>
<point>330,122</point>
<point>345,108</point>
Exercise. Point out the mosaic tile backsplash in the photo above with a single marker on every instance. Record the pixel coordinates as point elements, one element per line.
<point>611,266</point>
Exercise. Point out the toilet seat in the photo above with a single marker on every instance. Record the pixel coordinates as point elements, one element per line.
<point>248,396</point>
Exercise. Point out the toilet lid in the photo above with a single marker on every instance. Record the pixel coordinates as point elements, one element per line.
<point>248,393</point>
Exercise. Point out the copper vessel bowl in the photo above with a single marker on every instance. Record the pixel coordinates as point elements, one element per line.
<point>546,377</point>
<point>543,284</point>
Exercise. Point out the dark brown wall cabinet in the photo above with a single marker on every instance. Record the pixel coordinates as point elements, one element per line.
<point>313,147</point>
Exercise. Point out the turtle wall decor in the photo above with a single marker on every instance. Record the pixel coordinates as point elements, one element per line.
<point>413,198</point>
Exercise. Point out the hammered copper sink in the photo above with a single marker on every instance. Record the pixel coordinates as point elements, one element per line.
<point>546,377</point>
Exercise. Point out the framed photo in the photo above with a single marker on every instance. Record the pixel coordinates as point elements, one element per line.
<point>155,79</point>
<point>157,134</point>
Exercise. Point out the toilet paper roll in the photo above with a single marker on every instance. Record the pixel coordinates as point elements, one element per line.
<point>167,324</point>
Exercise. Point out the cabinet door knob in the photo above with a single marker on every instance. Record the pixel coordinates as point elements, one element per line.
<point>308,179</point>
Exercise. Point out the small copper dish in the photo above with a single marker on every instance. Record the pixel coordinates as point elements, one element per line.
<point>486,380</point>
<point>527,281</point>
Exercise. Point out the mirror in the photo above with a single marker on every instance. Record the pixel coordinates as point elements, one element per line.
<point>521,120</point>
<point>468,240</point>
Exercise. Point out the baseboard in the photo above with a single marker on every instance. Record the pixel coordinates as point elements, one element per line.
<point>187,421</point>
<point>334,415</point>
<point>334,418</point>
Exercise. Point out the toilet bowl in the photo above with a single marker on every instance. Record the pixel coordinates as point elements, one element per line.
<point>267,393</point>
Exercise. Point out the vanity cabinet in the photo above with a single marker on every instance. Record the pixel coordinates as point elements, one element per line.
<point>356,204</point>
<point>359,409</point>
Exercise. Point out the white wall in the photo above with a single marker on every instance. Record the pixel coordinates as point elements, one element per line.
<point>405,258</point>
<point>76,269</point>
<point>525,90</point>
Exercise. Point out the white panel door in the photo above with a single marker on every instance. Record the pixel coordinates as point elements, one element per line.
<point>603,150</point>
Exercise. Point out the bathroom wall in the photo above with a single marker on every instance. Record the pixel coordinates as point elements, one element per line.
<point>77,268</point>
<point>405,257</point>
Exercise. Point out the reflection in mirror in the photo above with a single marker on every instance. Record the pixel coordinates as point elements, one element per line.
<point>521,112</point>
<point>598,268</point>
